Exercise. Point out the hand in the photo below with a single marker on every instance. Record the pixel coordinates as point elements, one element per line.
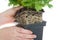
<point>7,16</point>
<point>13,33</point>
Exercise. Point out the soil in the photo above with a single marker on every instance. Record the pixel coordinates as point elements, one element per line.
<point>26,16</point>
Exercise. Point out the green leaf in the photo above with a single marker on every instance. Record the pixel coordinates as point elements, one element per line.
<point>38,6</point>
<point>35,4</point>
<point>49,5</point>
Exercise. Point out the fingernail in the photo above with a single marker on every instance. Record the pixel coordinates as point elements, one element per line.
<point>35,36</point>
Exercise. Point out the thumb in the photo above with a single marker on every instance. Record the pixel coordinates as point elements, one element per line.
<point>12,11</point>
<point>16,8</point>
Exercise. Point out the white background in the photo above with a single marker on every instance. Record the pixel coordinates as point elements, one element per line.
<point>52,16</point>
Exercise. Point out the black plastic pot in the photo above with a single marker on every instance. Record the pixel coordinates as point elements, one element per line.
<point>37,29</point>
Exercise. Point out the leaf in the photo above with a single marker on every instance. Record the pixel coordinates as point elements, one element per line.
<point>35,4</point>
<point>49,5</point>
<point>38,7</point>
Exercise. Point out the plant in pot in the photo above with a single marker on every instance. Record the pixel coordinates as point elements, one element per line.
<point>30,16</point>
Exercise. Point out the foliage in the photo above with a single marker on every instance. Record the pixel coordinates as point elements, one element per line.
<point>36,4</point>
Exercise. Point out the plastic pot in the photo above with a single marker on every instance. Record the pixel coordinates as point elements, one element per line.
<point>37,29</point>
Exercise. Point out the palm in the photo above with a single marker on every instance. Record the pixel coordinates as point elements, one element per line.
<point>4,19</point>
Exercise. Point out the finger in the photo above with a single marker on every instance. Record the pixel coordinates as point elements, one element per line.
<point>22,30</point>
<point>13,19</point>
<point>21,35</point>
<point>12,11</point>
<point>17,8</point>
<point>24,39</point>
